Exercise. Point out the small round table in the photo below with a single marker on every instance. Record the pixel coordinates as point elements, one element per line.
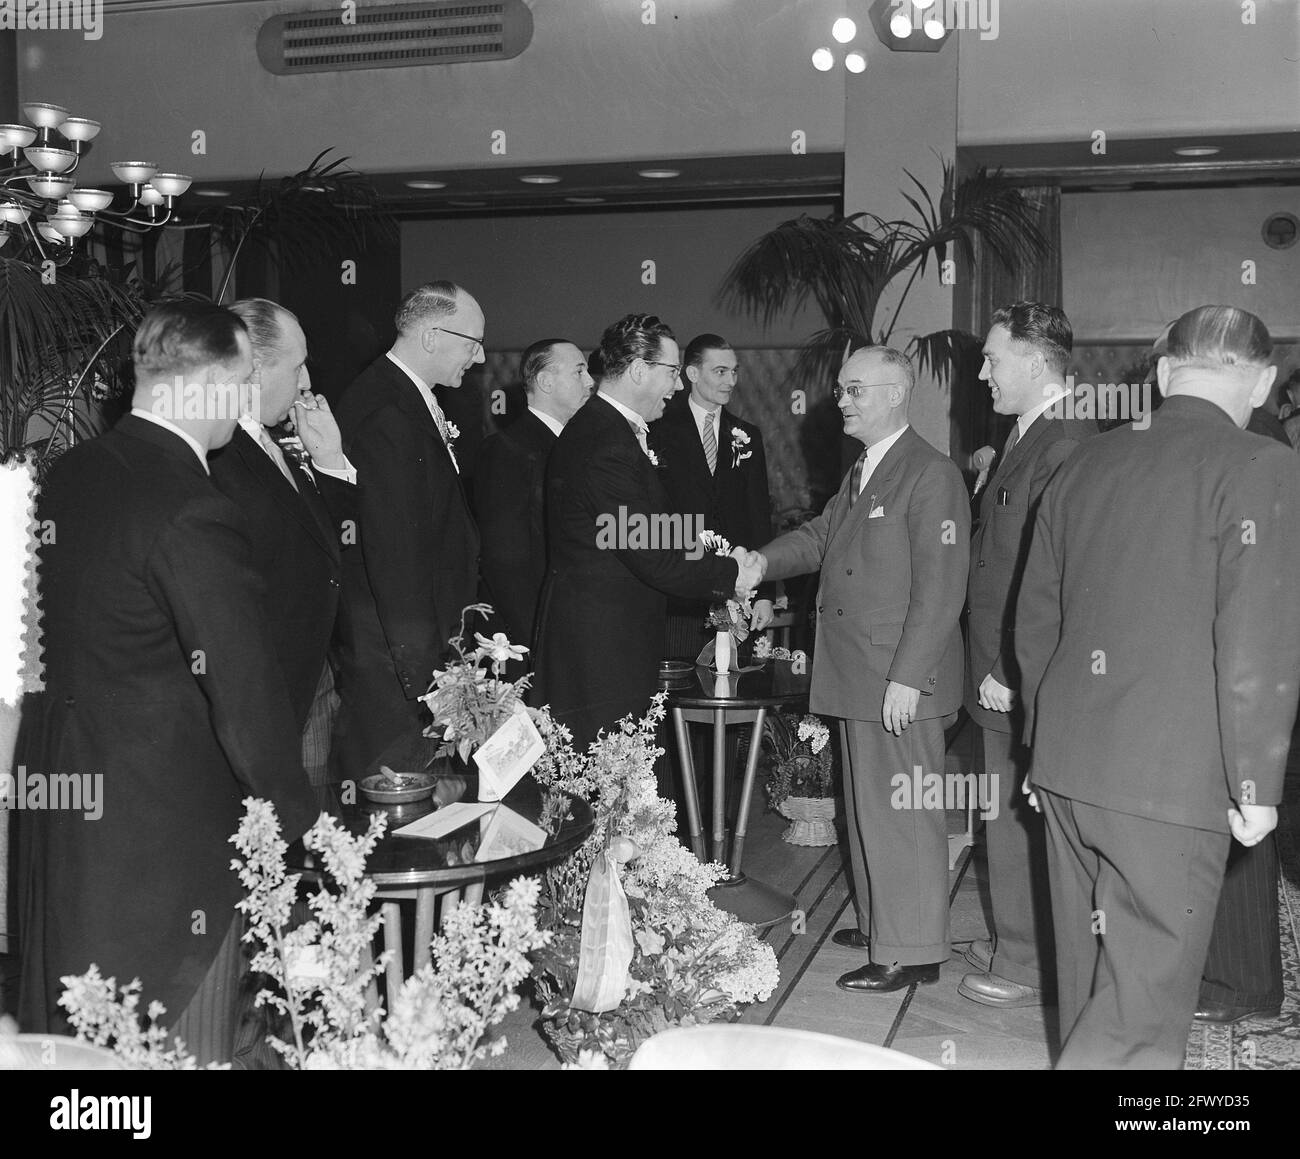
<point>531,829</point>
<point>736,698</point>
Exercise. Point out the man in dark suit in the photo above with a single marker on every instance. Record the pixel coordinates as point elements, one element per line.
<point>510,478</point>
<point>714,469</point>
<point>616,553</point>
<point>294,512</point>
<point>1160,662</point>
<point>161,683</point>
<point>415,562</point>
<point>892,547</point>
<point>1025,356</point>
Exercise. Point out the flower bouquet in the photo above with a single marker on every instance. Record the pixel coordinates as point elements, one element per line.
<point>690,962</point>
<point>801,777</point>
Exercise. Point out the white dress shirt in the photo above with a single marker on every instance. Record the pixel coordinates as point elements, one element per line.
<point>1026,420</point>
<point>435,411</point>
<point>638,423</point>
<point>876,452</point>
<point>167,424</point>
<point>701,417</point>
<point>551,421</point>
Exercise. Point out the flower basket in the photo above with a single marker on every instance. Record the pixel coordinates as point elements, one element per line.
<point>812,820</point>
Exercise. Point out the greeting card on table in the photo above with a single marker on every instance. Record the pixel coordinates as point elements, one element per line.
<point>506,834</point>
<point>445,821</point>
<point>507,755</point>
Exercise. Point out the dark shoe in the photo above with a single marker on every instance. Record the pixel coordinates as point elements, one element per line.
<point>980,954</point>
<point>1221,1014</point>
<point>990,990</point>
<point>851,939</point>
<point>875,979</point>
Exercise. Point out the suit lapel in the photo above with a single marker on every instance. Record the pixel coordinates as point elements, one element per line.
<point>294,502</point>
<point>875,494</point>
<point>1020,454</point>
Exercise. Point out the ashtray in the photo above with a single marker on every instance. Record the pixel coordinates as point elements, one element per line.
<point>389,788</point>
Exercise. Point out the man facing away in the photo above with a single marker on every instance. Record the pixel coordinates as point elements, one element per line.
<point>892,547</point>
<point>1160,659</point>
<point>295,514</point>
<point>415,562</point>
<point>163,688</point>
<point>1025,357</point>
<point>510,479</point>
<point>604,606</point>
<point>713,467</point>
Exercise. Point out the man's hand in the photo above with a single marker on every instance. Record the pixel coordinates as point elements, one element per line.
<point>1027,788</point>
<point>899,709</point>
<point>994,696</point>
<point>749,574</point>
<point>315,425</point>
<point>763,614</point>
<point>1250,824</point>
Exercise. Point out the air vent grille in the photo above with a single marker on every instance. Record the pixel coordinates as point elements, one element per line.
<point>394,36</point>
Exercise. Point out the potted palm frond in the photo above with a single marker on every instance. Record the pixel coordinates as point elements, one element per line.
<point>801,776</point>
<point>845,265</point>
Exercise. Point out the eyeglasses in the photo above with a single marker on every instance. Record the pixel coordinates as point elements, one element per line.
<point>675,367</point>
<point>468,337</point>
<point>855,389</point>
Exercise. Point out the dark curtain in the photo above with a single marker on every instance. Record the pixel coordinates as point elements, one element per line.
<point>980,291</point>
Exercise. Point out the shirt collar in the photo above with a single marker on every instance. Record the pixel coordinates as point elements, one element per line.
<point>551,421</point>
<point>168,425</point>
<point>701,415</point>
<point>638,423</point>
<point>415,378</point>
<point>1026,420</point>
<point>877,451</point>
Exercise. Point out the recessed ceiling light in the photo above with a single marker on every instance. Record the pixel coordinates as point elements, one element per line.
<point>585,200</point>
<point>539,179</point>
<point>1198,151</point>
<point>659,174</point>
<point>900,25</point>
<point>844,30</point>
<point>855,62</point>
<point>823,60</point>
<point>468,204</point>
<point>934,28</point>
<point>426,185</point>
<point>211,192</point>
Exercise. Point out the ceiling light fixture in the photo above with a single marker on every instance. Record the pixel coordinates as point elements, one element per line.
<point>823,60</point>
<point>426,184</point>
<point>844,30</point>
<point>585,200</point>
<point>539,179</point>
<point>855,62</point>
<point>1198,151</point>
<point>659,174</point>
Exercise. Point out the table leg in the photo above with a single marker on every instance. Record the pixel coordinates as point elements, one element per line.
<point>450,900</point>
<point>426,900</point>
<point>689,787</point>
<point>394,974</point>
<point>719,784</point>
<point>474,894</point>
<point>747,793</point>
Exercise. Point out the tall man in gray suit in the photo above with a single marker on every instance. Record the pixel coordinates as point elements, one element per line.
<point>892,547</point>
<point>1025,356</point>
<point>1159,649</point>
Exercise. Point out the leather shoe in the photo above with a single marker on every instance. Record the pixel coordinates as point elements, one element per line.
<point>980,954</point>
<point>877,979</point>
<point>1222,1014</point>
<point>990,990</point>
<point>851,939</point>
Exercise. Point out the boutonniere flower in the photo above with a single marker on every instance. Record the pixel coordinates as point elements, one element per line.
<point>739,441</point>
<point>712,541</point>
<point>654,459</point>
<point>296,453</point>
<point>453,431</point>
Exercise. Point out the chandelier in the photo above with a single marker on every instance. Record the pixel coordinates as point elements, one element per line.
<point>39,199</point>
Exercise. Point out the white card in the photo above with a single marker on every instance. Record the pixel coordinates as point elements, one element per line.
<point>507,834</point>
<point>507,755</point>
<point>445,820</point>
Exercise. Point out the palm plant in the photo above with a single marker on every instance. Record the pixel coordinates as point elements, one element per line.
<point>845,264</point>
<point>62,343</point>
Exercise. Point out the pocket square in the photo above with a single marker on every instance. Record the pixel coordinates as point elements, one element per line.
<point>876,513</point>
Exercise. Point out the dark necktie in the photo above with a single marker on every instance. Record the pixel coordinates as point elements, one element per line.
<point>1012,439</point>
<point>856,486</point>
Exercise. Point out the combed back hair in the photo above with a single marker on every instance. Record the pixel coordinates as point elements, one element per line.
<point>1043,327</point>
<point>1214,336</point>
<point>536,359</point>
<point>425,304</point>
<point>633,336</point>
<point>700,345</point>
<point>264,320</point>
<point>895,359</point>
<point>184,334</point>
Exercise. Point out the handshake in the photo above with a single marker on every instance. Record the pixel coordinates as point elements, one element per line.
<point>751,567</point>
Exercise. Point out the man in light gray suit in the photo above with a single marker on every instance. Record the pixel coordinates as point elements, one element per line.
<point>892,547</point>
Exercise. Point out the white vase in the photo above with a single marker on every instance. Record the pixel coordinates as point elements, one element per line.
<point>724,658</point>
<point>813,820</point>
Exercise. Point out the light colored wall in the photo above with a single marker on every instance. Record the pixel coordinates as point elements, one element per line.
<point>710,77</point>
<point>1134,261</point>
<point>1058,69</point>
<point>572,275</point>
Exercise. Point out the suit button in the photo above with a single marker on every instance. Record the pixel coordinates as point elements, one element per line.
<point>980,564</point>
<point>839,611</point>
<point>69,701</point>
<point>819,609</point>
<point>849,572</point>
